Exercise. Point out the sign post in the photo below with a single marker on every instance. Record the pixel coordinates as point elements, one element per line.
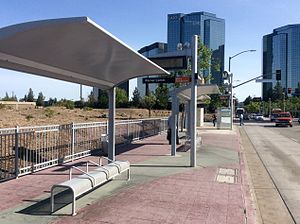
<point>193,111</point>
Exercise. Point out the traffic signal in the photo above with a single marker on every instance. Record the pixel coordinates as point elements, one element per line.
<point>226,75</point>
<point>278,75</point>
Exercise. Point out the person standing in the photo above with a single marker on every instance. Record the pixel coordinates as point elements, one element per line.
<point>169,129</point>
<point>169,133</point>
<point>214,120</point>
<point>241,119</point>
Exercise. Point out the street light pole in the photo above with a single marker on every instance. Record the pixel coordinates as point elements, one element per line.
<point>231,85</point>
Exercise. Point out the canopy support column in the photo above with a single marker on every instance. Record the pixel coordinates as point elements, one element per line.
<point>193,160</point>
<point>188,118</point>
<point>111,123</point>
<point>173,125</point>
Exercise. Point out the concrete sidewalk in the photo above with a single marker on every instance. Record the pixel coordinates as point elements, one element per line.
<point>162,189</point>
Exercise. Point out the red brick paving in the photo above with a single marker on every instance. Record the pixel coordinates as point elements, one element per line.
<point>192,196</point>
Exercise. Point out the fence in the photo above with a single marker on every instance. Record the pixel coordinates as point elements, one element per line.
<point>24,150</point>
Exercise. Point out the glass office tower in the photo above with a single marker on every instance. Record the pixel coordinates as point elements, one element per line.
<point>149,51</point>
<point>181,28</point>
<point>281,55</point>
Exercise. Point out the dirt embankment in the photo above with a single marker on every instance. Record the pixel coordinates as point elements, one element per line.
<point>58,115</point>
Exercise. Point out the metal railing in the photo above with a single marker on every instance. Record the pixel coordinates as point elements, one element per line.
<point>24,150</point>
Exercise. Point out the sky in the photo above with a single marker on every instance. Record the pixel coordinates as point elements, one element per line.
<point>140,22</point>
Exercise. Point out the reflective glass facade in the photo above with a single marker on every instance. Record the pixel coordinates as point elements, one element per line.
<point>281,51</point>
<point>150,51</point>
<point>181,28</point>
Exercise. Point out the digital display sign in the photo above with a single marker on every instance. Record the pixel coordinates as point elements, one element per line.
<point>171,63</point>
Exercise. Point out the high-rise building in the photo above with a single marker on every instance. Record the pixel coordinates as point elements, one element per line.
<point>149,51</point>
<point>181,28</point>
<point>281,59</point>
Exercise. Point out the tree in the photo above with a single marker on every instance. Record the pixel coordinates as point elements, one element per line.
<point>162,96</point>
<point>25,98</point>
<point>277,92</point>
<point>102,99</point>
<point>253,107</point>
<point>204,59</point>
<point>13,97</point>
<point>121,98</point>
<point>136,98</point>
<point>149,102</point>
<point>30,96</point>
<point>91,100</point>
<point>51,102</point>
<point>247,101</point>
<point>214,103</point>
<point>297,90</point>
<point>40,100</point>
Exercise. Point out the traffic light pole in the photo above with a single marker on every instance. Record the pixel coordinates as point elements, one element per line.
<point>231,101</point>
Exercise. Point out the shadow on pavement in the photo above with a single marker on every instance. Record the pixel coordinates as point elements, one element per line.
<point>159,165</point>
<point>42,207</point>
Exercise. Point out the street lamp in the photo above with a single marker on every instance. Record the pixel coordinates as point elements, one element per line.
<point>242,52</point>
<point>231,86</point>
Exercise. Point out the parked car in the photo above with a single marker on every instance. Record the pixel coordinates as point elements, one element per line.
<point>284,119</point>
<point>252,116</point>
<point>259,117</point>
<point>299,120</point>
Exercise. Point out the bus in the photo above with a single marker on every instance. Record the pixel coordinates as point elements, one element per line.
<point>239,111</point>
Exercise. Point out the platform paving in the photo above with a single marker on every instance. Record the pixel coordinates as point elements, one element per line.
<point>162,189</point>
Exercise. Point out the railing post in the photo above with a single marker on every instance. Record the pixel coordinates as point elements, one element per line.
<point>128,126</point>
<point>73,141</point>
<point>159,126</point>
<point>107,128</point>
<point>17,151</point>
<point>143,130</point>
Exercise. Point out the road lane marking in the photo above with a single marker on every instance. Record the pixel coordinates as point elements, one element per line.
<point>295,140</point>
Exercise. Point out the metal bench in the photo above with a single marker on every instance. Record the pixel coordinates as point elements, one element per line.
<point>88,181</point>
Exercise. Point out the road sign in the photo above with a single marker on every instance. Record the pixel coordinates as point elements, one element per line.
<point>182,79</point>
<point>264,80</point>
<point>158,80</point>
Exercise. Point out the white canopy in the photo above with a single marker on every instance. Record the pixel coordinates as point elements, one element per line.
<point>72,49</point>
<point>184,93</point>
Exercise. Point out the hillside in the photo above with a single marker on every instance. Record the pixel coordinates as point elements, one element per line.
<point>58,115</point>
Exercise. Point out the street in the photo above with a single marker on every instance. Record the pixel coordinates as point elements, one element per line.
<point>279,150</point>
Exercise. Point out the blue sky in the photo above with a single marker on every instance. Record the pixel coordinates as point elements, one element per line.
<point>140,22</point>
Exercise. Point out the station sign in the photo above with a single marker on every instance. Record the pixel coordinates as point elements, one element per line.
<point>158,80</point>
<point>183,79</point>
<point>224,97</point>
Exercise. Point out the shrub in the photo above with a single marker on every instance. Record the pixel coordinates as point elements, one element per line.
<point>28,117</point>
<point>69,105</point>
<point>49,112</point>
<point>87,109</point>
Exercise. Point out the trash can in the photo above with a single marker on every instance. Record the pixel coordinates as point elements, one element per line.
<point>104,143</point>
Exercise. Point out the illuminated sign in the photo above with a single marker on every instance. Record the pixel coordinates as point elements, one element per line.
<point>182,79</point>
